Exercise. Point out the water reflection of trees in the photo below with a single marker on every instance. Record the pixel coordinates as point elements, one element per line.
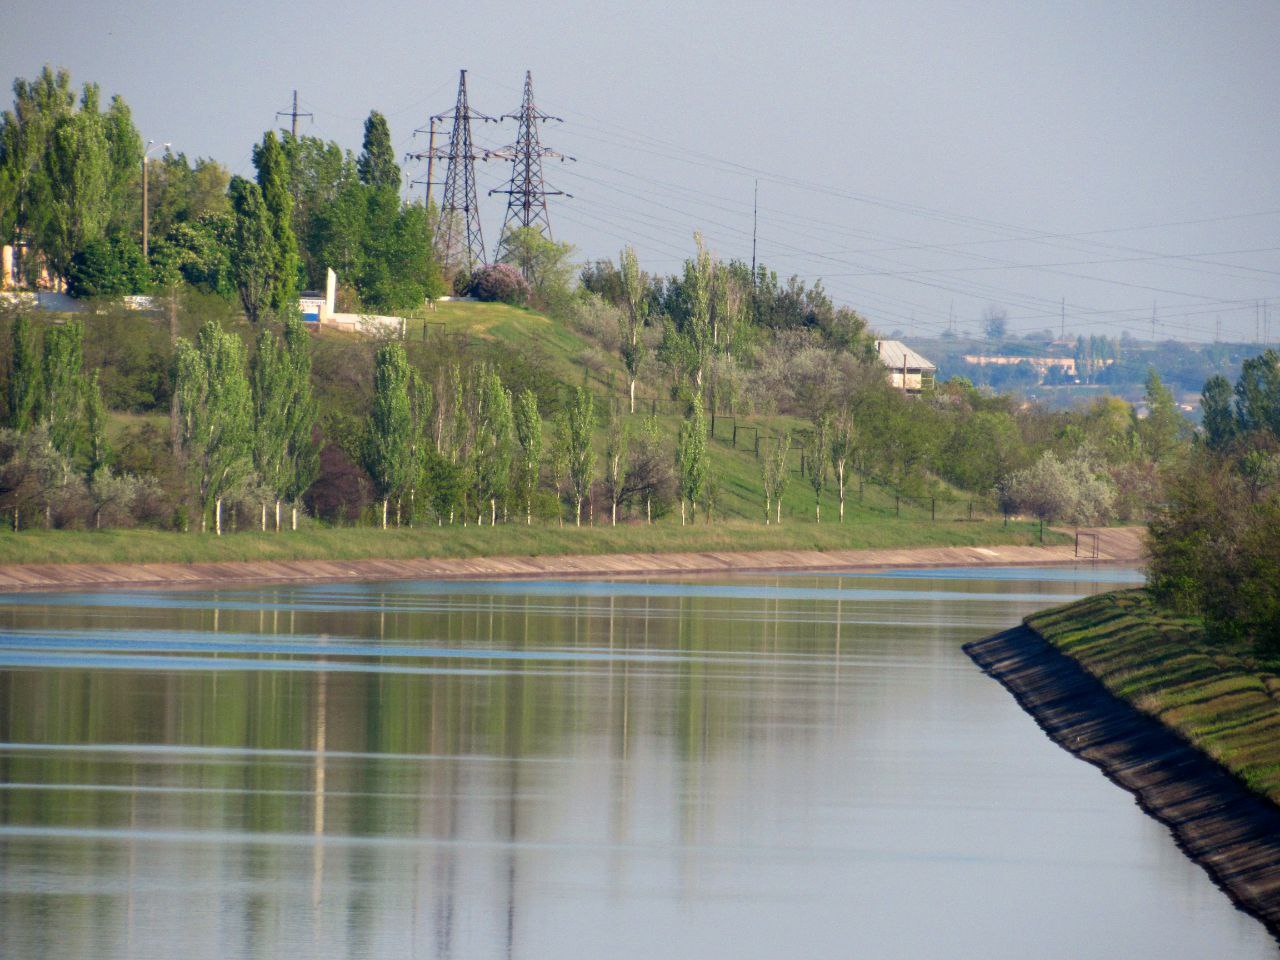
<point>468,749</point>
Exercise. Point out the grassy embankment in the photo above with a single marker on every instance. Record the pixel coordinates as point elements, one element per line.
<point>1220,698</point>
<point>314,542</point>
<point>876,518</point>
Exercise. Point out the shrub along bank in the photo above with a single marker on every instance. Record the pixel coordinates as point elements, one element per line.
<point>1218,695</point>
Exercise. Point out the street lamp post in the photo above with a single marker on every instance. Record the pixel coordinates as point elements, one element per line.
<point>146,207</point>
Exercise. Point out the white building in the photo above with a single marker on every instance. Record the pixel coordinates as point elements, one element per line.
<point>908,370</point>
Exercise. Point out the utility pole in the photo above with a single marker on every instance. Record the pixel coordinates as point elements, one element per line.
<point>429,156</point>
<point>293,116</point>
<point>755,223</point>
<point>461,244</point>
<point>146,199</point>
<point>527,191</point>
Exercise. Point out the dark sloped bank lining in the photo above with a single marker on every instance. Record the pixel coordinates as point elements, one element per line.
<point>1225,827</point>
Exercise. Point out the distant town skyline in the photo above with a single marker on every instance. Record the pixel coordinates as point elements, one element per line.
<point>1082,167</point>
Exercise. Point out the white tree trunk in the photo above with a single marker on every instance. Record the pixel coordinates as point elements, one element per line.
<point>277,515</point>
<point>648,510</point>
<point>577,511</point>
<point>778,503</point>
<point>633,394</point>
<point>217,516</point>
<point>613,514</point>
<point>768,508</point>
<point>817,512</point>
<point>493,512</point>
<point>263,519</point>
<point>384,514</point>
<point>682,511</point>
<point>295,518</point>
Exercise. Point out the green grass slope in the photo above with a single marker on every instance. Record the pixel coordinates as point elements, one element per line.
<point>1222,699</point>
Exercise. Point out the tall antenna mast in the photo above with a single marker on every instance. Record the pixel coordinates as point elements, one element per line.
<point>460,242</point>
<point>527,191</point>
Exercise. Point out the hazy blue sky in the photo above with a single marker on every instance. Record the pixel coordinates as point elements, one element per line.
<point>915,156</point>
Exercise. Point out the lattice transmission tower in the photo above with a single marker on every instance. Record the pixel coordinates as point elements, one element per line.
<point>459,239</point>
<point>527,191</point>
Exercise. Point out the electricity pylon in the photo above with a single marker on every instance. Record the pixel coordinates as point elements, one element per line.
<point>458,237</point>
<point>527,191</point>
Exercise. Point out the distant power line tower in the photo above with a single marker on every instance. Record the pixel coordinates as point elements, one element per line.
<point>459,239</point>
<point>527,191</point>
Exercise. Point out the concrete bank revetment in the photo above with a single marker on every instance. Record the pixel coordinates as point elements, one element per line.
<point>1123,545</point>
<point>1192,731</point>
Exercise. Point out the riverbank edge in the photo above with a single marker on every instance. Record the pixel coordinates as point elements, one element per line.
<point>1121,545</point>
<point>1221,824</point>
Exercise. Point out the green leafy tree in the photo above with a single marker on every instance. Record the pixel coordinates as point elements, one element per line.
<point>388,453</point>
<point>26,385</point>
<point>1258,393</point>
<point>97,446</point>
<point>528,426</point>
<point>215,416</point>
<point>1163,429</point>
<point>495,436</point>
<point>253,252</point>
<point>844,444</point>
<point>1218,419</point>
<point>616,464</point>
<point>547,265</point>
<point>301,453</point>
<point>66,170</point>
<point>273,179</point>
<point>377,165</point>
<point>579,428</point>
<point>107,267</point>
<point>62,373</point>
<point>25,132</point>
<point>776,475</point>
<point>692,461</point>
<point>268,376</point>
<point>816,452</point>
<point>636,305</point>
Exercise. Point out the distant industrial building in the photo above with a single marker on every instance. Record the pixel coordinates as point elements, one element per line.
<point>908,370</point>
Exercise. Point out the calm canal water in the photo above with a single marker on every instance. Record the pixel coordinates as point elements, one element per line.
<point>763,767</point>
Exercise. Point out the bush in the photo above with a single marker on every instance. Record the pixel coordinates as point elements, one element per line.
<point>500,283</point>
<point>1053,489</point>
<point>109,267</point>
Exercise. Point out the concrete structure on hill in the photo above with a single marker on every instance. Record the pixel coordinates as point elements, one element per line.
<point>319,308</point>
<point>1042,364</point>
<point>908,371</point>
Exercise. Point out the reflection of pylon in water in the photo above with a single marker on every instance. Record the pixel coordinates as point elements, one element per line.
<point>527,191</point>
<point>461,245</point>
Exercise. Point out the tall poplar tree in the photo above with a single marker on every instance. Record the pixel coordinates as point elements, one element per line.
<point>215,412</point>
<point>377,165</point>
<point>62,374</point>
<point>388,453</point>
<point>302,456</point>
<point>25,380</point>
<point>616,464</point>
<point>495,436</point>
<point>1218,420</point>
<point>816,457</point>
<point>579,426</point>
<point>693,466</point>
<point>637,310</point>
<point>268,376</point>
<point>274,180</point>
<point>528,424</point>
<point>253,249</point>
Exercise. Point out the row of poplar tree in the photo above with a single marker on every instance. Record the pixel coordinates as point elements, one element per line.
<point>246,429</point>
